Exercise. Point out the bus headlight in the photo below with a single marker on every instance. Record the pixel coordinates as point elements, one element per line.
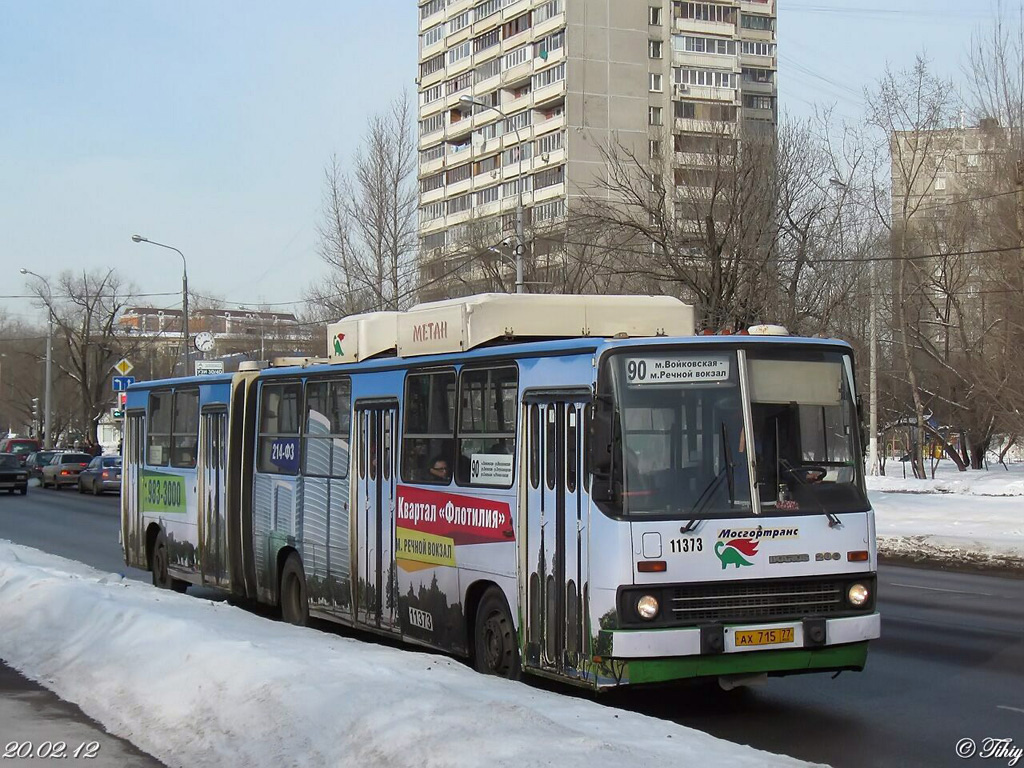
<point>647,607</point>
<point>857,595</point>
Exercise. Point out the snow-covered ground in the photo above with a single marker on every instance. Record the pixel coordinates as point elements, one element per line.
<point>973,518</point>
<point>201,683</point>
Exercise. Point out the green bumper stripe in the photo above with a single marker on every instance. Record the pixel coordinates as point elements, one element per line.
<point>850,656</point>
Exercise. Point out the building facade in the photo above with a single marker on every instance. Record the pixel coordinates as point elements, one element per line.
<point>555,81</point>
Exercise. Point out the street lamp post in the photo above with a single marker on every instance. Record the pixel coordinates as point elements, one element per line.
<point>48,386</point>
<point>469,102</point>
<point>185,353</point>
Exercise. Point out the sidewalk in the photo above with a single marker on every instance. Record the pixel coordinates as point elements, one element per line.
<point>30,714</point>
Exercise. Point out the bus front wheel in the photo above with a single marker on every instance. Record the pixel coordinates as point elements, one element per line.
<point>294,603</point>
<point>495,649</point>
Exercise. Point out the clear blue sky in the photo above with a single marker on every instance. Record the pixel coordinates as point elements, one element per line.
<point>207,124</point>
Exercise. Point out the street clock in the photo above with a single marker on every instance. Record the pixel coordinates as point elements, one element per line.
<point>204,341</point>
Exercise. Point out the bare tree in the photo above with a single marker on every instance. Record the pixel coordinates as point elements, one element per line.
<point>912,112</point>
<point>87,342</point>
<point>368,230</point>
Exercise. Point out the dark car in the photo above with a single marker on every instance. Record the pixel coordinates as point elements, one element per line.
<point>64,469</point>
<point>35,462</point>
<point>19,446</point>
<point>13,476</point>
<point>102,474</point>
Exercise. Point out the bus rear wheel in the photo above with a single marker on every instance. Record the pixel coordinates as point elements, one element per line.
<point>294,602</point>
<point>494,643</point>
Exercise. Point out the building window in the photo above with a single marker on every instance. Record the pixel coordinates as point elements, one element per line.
<point>432,211</point>
<point>654,49</point>
<point>654,116</point>
<point>515,26</point>
<point>755,75</point>
<point>756,22</point>
<point>488,8</point>
<point>460,203</point>
<point>433,93</point>
<point>459,173</point>
<point>940,183</point>
<point>486,40</point>
<point>432,35</point>
<point>654,148</point>
<point>709,78</point>
<point>655,82</point>
<point>459,22</point>
<point>432,182</point>
<point>429,9</point>
<point>460,83</point>
<point>758,102</point>
<point>654,16</point>
<point>554,42</point>
<point>684,110</point>
<point>749,48</point>
<point>516,57</point>
<point>548,10</point>
<point>550,142</point>
<point>489,195</point>
<point>549,76</point>
<point>484,71</point>
<point>459,52</point>
<point>432,123</point>
<point>432,65</point>
<point>717,46</point>
<point>705,12</point>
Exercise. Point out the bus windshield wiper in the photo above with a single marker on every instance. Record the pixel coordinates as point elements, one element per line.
<point>833,520</point>
<point>708,492</point>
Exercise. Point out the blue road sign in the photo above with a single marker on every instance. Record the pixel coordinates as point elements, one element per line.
<point>121,382</point>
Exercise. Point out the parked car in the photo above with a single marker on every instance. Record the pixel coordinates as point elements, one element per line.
<point>13,476</point>
<point>64,469</point>
<point>19,446</point>
<point>102,474</point>
<point>35,462</point>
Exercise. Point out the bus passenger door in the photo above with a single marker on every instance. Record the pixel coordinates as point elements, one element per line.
<point>556,521</point>
<point>377,587</point>
<point>213,558</point>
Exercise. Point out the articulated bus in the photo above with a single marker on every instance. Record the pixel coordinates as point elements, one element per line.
<point>577,487</point>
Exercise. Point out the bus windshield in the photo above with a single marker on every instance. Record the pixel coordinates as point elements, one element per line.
<point>684,450</point>
<point>681,428</point>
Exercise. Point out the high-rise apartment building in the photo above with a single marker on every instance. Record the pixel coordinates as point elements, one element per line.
<point>554,81</point>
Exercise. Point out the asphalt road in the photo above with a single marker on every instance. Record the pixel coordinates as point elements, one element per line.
<point>949,665</point>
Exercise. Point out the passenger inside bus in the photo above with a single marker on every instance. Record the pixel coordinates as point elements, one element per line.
<point>439,470</point>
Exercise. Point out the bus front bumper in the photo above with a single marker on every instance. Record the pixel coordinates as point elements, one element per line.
<point>663,655</point>
<point>655,643</point>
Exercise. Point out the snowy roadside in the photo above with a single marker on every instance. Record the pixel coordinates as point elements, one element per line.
<point>198,683</point>
<point>960,520</point>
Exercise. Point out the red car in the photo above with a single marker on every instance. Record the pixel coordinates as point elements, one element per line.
<point>19,446</point>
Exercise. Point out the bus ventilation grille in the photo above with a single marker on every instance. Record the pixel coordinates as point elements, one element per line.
<point>756,600</point>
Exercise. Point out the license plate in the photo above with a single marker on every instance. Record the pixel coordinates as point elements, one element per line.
<point>748,637</point>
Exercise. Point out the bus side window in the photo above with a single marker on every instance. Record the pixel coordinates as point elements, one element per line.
<point>428,435</point>
<point>534,446</point>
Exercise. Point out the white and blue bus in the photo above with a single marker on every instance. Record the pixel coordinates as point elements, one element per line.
<point>570,486</point>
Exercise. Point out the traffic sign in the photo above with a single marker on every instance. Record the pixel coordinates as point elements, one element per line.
<point>121,383</point>
<point>123,366</point>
